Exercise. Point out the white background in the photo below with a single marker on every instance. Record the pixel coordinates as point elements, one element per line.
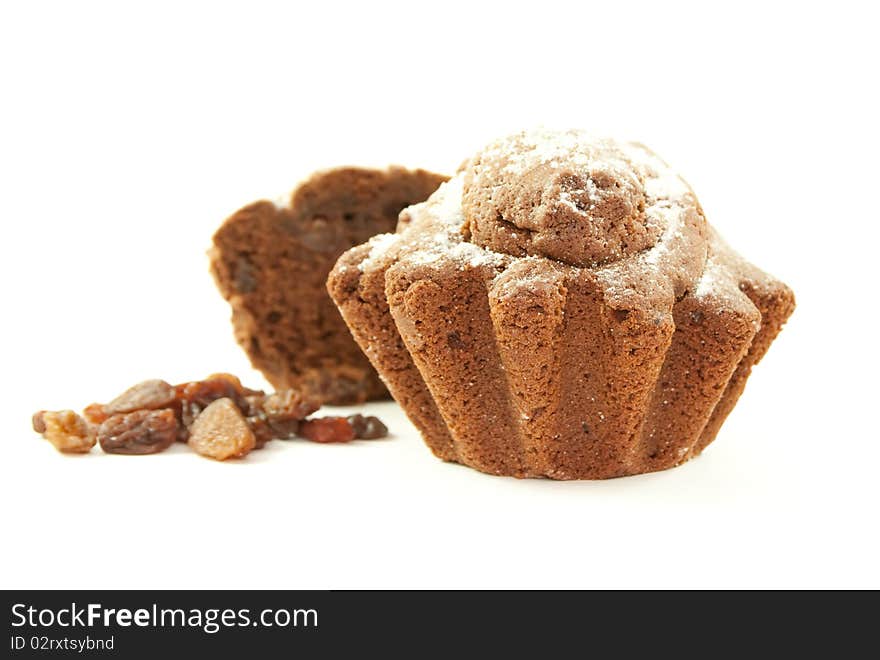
<point>130,131</point>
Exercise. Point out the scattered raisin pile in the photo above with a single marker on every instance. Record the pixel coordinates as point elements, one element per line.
<point>218,417</point>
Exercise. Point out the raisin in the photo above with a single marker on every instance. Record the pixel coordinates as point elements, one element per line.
<point>67,431</point>
<point>38,421</point>
<point>261,430</point>
<point>236,384</point>
<point>218,417</point>
<point>148,395</point>
<point>195,396</point>
<point>284,430</point>
<point>202,392</point>
<point>287,405</point>
<point>322,385</point>
<point>138,432</point>
<point>198,394</point>
<point>284,410</point>
<point>95,413</point>
<point>187,416</point>
<point>220,431</point>
<point>183,427</point>
<point>327,429</point>
<point>232,379</point>
<point>277,415</point>
<point>253,405</point>
<point>367,428</point>
<point>358,423</point>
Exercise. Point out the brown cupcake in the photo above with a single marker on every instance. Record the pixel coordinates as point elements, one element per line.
<point>271,263</point>
<point>560,308</point>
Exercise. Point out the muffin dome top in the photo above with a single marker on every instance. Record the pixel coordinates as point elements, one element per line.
<point>548,202</point>
<point>570,196</point>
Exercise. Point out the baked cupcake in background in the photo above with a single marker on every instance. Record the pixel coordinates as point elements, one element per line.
<point>560,308</point>
<point>271,261</point>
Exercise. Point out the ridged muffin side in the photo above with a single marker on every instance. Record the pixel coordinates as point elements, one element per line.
<point>528,365</point>
<point>541,378</point>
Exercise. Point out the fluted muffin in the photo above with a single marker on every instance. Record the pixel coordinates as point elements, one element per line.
<point>271,261</point>
<point>560,308</point>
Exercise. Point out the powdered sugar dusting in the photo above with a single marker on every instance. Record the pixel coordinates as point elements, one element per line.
<point>547,147</point>
<point>713,275</point>
<point>591,191</point>
<point>446,201</point>
<point>282,201</point>
<point>443,207</point>
<point>671,218</point>
<point>544,147</point>
<point>717,279</point>
<point>667,267</point>
<point>449,245</point>
<point>441,238</point>
<point>660,181</point>
<point>379,245</point>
